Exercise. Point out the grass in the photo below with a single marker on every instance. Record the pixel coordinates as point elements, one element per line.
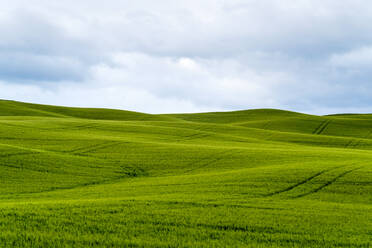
<point>259,178</point>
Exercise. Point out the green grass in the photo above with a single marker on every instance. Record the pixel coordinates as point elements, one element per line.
<point>80,177</point>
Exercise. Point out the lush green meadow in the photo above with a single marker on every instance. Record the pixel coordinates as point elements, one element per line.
<point>258,178</point>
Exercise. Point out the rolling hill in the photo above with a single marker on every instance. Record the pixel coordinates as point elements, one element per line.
<point>81,177</point>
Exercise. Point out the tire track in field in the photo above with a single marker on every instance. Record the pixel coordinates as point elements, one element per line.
<point>355,143</point>
<point>76,150</point>
<point>190,137</point>
<point>81,185</point>
<point>327,183</point>
<point>215,205</point>
<point>77,127</point>
<point>18,126</point>
<point>194,136</point>
<point>83,148</point>
<point>301,182</point>
<point>368,135</point>
<point>21,166</point>
<point>297,184</point>
<point>349,143</point>
<point>266,125</point>
<point>208,162</point>
<point>321,127</point>
<point>216,226</point>
<point>17,154</point>
<point>324,127</point>
<point>96,147</point>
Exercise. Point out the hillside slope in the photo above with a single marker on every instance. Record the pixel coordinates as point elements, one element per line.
<point>13,108</point>
<point>110,178</point>
<point>237,116</point>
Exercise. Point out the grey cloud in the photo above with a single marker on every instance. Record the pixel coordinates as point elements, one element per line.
<point>39,68</point>
<point>195,55</point>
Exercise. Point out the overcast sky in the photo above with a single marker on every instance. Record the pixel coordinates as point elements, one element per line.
<point>164,56</point>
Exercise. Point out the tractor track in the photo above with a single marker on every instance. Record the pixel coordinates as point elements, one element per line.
<point>320,129</point>
<point>297,184</point>
<point>16,154</point>
<point>327,183</point>
<point>91,148</point>
<point>221,156</point>
<point>301,182</point>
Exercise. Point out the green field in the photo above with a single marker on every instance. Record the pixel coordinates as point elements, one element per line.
<point>74,177</point>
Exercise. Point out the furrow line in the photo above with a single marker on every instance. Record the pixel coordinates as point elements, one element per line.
<point>82,149</point>
<point>322,127</point>
<point>301,182</point>
<point>17,154</point>
<point>207,163</point>
<point>96,148</point>
<point>327,183</point>
<point>297,184</point>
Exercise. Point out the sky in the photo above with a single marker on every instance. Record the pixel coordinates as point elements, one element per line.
<point>167,56</point>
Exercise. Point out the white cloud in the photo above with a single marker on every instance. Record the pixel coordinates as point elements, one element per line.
<point>358,58</point>
<point>185,56</point>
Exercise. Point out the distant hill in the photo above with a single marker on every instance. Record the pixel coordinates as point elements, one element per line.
<point>14,108</point>
<point>238,116</point>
